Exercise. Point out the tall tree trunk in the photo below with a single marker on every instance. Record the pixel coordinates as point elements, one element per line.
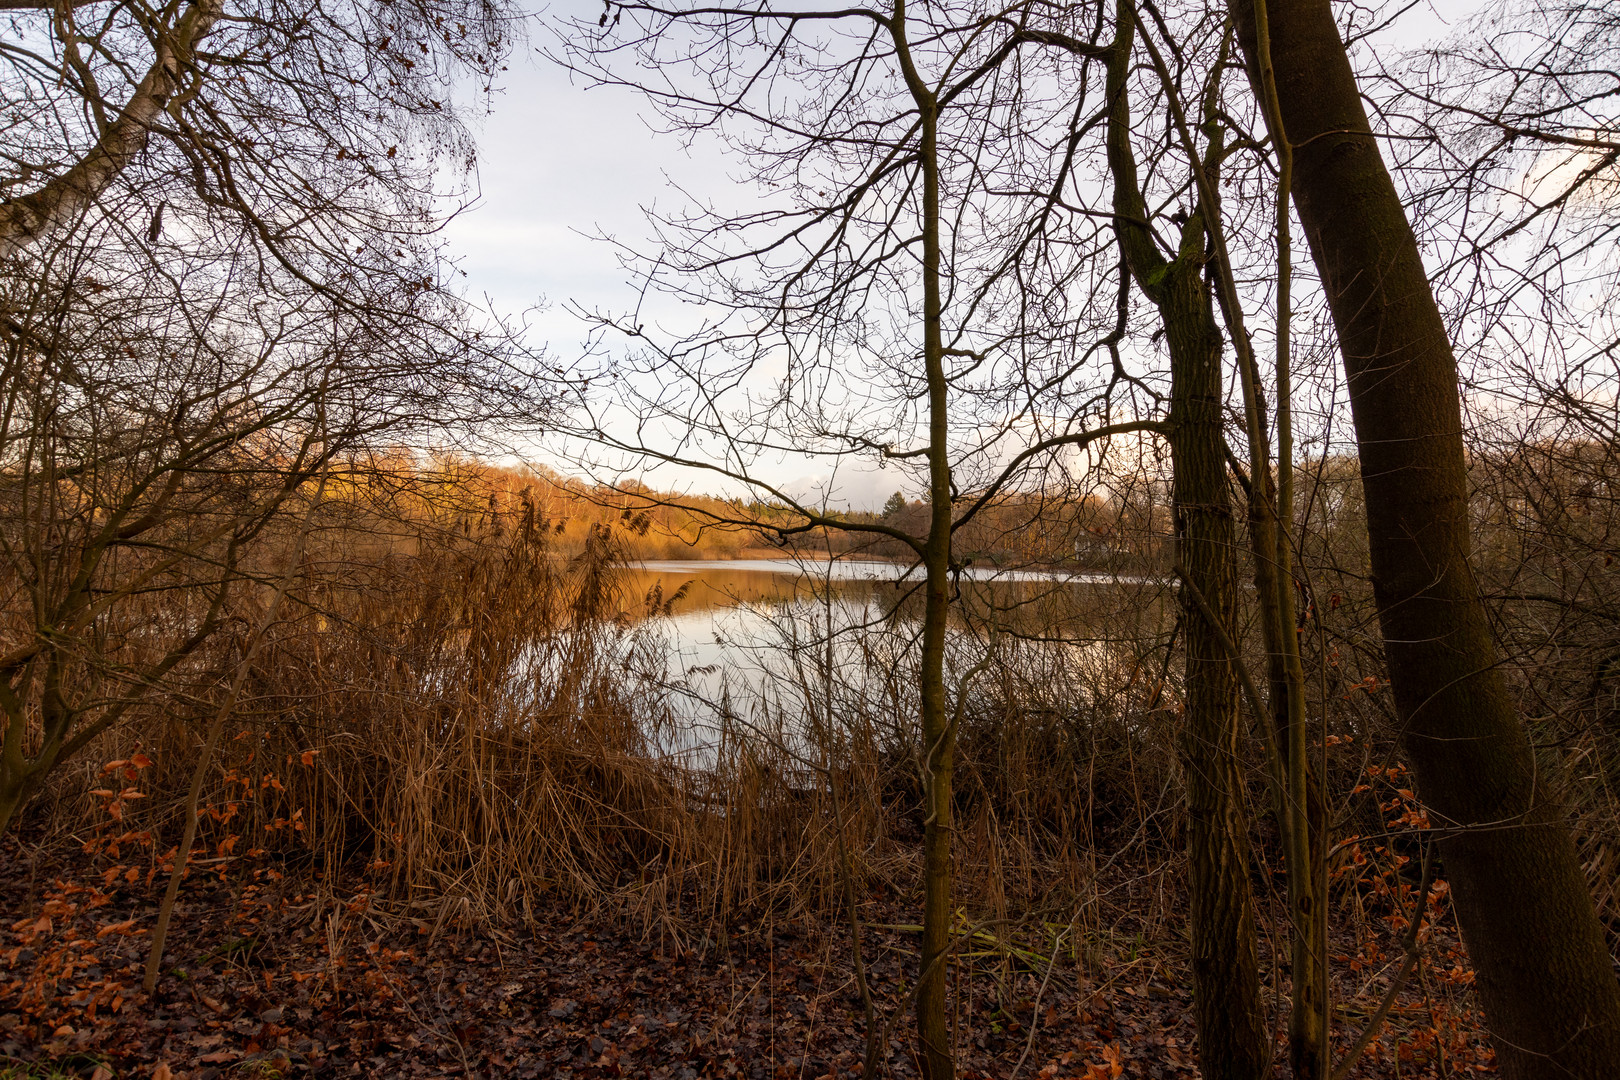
<point>1544,973</point>
<point>933,1032</point>
<point>1302,815</point>
<point>939,734</point>
<point>1232,1040</point>
<point>1231,1034</point>
<point>1271,527</point>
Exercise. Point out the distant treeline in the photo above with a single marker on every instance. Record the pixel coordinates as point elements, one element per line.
<point>1079,530</point>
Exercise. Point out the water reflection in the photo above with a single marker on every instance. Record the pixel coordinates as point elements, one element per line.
<point>725,583</point>
<point>760,642</point>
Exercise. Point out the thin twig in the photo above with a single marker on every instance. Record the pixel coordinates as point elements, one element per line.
<point>1035,1019</point>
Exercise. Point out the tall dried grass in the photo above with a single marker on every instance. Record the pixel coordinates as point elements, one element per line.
<point>479,726</point>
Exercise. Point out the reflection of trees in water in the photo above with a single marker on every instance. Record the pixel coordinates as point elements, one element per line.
<point>721,584</point>
<point>801,664</point>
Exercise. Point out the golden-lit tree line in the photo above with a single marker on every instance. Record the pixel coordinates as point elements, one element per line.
<point>1038,259</point>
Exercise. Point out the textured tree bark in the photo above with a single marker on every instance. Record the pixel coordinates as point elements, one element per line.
<point>1231,1033</point>
<point>27,218</point>
<point>1232,1040</point>
<point>1544,973</point>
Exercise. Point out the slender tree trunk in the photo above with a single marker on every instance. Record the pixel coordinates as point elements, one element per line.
<point>1271,524</point>
<point>1232,1040</point>
<point>1304,823</point>
<point>939,735</point>
<point>1544,973</point>
<point>188,836</point>
<point>933,1032</point>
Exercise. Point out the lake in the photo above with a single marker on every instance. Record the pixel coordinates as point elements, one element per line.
<point>761,639</point>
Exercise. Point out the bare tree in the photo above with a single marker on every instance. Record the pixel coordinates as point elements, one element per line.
<point>917,291</point>
<point>321,118</point>
<point>149,437</point>
<point>1544,972</point>
<point>1233,1041</point>
<point>218,273</point>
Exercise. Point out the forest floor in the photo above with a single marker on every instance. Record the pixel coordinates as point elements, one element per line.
<point>269,974</point>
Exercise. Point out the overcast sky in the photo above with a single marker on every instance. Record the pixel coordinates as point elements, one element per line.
<point>559,163</point>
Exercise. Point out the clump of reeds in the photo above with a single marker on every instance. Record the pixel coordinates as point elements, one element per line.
<point>467,714</point>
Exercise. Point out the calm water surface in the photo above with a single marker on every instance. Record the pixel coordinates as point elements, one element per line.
<point>743,631</point>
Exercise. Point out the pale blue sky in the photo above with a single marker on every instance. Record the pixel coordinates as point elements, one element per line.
<point>559,162</point>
